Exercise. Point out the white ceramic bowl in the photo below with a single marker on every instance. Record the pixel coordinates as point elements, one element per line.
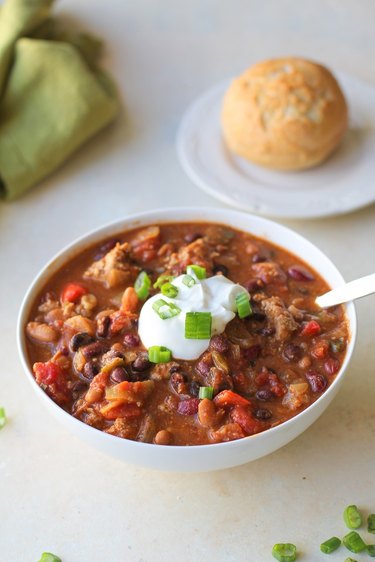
<point>199,457</point>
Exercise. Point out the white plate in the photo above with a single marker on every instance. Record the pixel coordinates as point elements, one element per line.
<point>346,181</point>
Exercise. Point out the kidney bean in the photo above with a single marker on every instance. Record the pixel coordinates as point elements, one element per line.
<point>118,375</point>
<point>188,407</point>
<point>106,247</point>
<point>300,273</point>
<point>219,343</point>
<point>131,340</point>
<point>262,414</point>
<point>103,324</point>
<point>204,364</point>
<point>264,394</point>
<point>79,340</point>
<point>253,285</point>
<point>220,268</point>
<point>94,349</point>
<point>258,258</point>
<point>192,237</point>
<point>331,366</point>
<point>90,369</point>
<point>141,363</point>
<point>316,381</point>
<point>292,352</point>
<point>252,353</point>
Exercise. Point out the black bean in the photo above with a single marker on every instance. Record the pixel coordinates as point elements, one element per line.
<point>192,237</point>
<point>90,370</point>
<point>253,285</point>
<point>141,363</point>
<point>262,414</point>
<point>103,324</point>
<point>258,316</point>
<point>220,268</point>
<point>264,394</point>
<point>194,388</point>
<point>258,258</point>
<point>266,331</point>
<point>174,369</point>
<point>118,375</point>
<point>219,343</point>
<point>94,349</point>
<point>80,339</point>
<point>78,388</point>
<point>292,352</point>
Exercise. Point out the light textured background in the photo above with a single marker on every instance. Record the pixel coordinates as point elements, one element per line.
<point>58,494</point>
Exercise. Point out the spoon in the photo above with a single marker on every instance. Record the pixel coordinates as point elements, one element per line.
<point>348,292</point>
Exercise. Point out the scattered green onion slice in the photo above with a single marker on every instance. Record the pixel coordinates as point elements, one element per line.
<point>353,542</point>
<point>350,560</point>
<point>330,545</point>
<point>48,557</point>
<point>198,325</point>
<point>199,271</point>
<point>284,552</point>
<point>162,279</point>
<point>169,290</point>
<point>371,523</point>
<point>142,285</point>
<point>188,280</point>
<point>166,309</point>
<point>352,517</point>
<point>371,550</point>
<point>3,418</point>
<point>243,305</point>
<point>159,354</point>
<point>206,392</point>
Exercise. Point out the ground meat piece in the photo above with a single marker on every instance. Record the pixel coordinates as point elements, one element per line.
<point>147,430</point>
<point>269,272</point>
<point>198,252</point>
<point>163,371</point>
<point>124,428</point>
<point>219,380</point>
<point>297,313</point>
<point>93,418</point>
<point>279,317</point>
<point>114,268</point>
<point>296,396</point>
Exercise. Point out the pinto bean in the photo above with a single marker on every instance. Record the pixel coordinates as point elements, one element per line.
<point>163,437</point>
<point>79,323</point>
<point>207,413</point>
<point>41,332</point>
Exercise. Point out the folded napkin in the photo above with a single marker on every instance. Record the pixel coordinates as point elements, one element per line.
<point>53,97</point>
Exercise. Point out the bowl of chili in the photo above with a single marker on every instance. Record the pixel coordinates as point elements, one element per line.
<point>186,339</point>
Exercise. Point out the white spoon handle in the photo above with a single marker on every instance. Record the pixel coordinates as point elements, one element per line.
<point>353,290</point>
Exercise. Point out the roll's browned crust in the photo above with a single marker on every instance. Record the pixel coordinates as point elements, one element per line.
<point>286,114</point>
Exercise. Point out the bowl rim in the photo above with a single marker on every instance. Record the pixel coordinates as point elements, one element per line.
<point>130,222</point>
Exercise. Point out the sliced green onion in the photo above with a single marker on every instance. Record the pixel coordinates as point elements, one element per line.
<point>48,557</point>
<point>198,325</point>
<point>350,560</point>
<point>166,309</point>
<point>3,418</point>
<point>199,271</point>
<point>284,552</point>
<point>330,545</point>
<point>169,290</point>
<point>371,550</point>
<point>162,279</point>
<point>188,280</point>
<point>206,392</point>
<point>243,305</point>
<point>352,517</point>
<point>353,542</point>
<point>371,523</point>
<point>159,354</point>
<point>142,285</point>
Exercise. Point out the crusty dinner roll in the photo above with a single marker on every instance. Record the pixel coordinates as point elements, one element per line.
<point>285,114</point>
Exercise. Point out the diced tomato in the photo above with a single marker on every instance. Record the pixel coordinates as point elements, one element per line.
<point>72,292</point>
<point>266,377</point>
<point>112,411</point>
<point>312,328</point>
<point>320,350</point>
<point>52,378</point>
<point>244,418</point>
<point>230,398</point>
<point>120,321</point>
<point>146,243</point>
<point>130,392</point>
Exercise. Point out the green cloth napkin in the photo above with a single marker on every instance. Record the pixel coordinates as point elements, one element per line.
<point>53,97</point>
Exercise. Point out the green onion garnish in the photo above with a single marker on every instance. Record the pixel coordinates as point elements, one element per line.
<point>159,354</point>
<point>162,279</point>
<point>371,523</point>
<point>284,552</point>
<point>169,290</point>
<point>188,280</point>
<point>350,560</point>
<point>165,309</point>
<point>142,285</point>
<point>371,550</point>
<point>243,305</point>
<point>3,418</point>
<point>352,517</point>
<point>330,545</point>
<point>198,325</point>
<point>206,392</point>
<point>48,557</point>
<point>353,542</point>
<point>199,271</point>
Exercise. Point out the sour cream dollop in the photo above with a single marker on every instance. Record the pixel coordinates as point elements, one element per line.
<point>216,295</point>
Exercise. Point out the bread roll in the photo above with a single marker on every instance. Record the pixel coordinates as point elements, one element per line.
<point>286,114</point>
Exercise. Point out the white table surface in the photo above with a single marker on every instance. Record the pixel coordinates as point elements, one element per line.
<point>58,494</point>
